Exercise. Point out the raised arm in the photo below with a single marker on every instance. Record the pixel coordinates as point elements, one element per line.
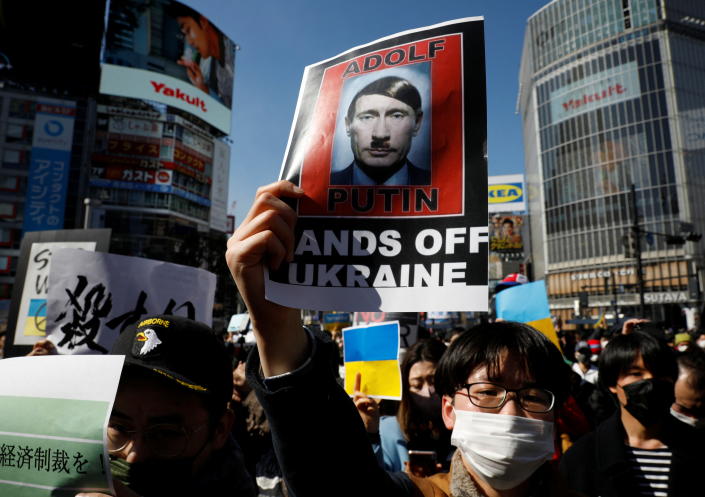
<point>317,433</point>
<point>266,239</point>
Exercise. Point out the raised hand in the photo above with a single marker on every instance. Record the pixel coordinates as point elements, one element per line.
<point>367,407</point>
<point>266,238</point>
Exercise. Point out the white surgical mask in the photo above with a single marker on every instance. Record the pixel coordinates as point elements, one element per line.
<point>682,417</point>
<point>503,450</point>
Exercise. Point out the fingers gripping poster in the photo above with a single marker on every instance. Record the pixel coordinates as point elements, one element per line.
<point>389,145</point>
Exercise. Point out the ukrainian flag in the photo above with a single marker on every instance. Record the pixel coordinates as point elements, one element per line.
<point>373,351</point>
<point>35,322</point>
<point>528,304</point>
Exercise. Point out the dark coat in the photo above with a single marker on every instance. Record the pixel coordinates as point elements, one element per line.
<point>321,443</point>
<point>597,464</point>
<point>417,176</point>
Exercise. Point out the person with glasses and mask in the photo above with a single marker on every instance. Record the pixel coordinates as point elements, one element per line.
<point>169,430</point>
<point>499,385</point>
<point>641,450</point>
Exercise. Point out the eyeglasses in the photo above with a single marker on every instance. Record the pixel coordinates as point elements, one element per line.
<point>493,396</point>
<point>164,440</point>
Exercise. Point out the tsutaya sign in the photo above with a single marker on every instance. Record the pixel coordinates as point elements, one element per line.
<point>665,297</point>
<point>611,86</point>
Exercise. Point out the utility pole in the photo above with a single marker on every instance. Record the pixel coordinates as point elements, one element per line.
<point>636,232</point>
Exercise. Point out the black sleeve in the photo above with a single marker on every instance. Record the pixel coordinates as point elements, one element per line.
<point>578,468</point>
<point>317,433</point>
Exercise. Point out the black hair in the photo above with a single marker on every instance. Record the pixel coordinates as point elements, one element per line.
<point>390,86</point>
<point>430,350</point>
<point>692,362</point>
<point>457,330</point>
<point>508,221</point>
<point>486,344</point>
<point>620,353</point>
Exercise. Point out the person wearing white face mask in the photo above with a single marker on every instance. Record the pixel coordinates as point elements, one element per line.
<point>500,384</point>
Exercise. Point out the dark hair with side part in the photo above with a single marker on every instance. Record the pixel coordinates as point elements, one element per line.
<point>692,363</point>
<point>621,352</point>
<point>392,87</point>
<point>486,344</point>
<point>424,350</point>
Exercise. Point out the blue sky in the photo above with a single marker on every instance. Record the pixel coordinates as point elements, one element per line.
<point>278,38</point>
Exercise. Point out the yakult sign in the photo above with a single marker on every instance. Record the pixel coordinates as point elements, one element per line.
<point>193,73</point>
<point>604,88</point>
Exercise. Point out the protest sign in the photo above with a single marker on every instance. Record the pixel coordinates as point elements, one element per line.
<point>93,297</point>
<point>527,303</point>
<point>408,324</point>
<point>373,351</point>
<point>27,317</point>
<point>388,142</point>
<point>54,413</point>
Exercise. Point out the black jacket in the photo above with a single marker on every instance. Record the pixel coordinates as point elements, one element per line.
<point>321,443</point>
<point>597,464</point>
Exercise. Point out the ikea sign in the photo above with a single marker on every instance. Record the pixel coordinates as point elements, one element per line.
<point>498,194</point>
<point>506,193</point>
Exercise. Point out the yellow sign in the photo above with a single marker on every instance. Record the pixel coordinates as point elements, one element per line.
<point>498,194</point>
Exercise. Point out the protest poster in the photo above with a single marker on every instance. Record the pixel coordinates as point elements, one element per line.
<point>93,297</point>
<point>373,352</point>
<point>388,142</point>
<point>527,303</point>
<point>408,324</point>
<point>55,412</point>
<point>27,317</point>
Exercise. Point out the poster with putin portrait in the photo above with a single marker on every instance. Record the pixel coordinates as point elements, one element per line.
<point>389,145</point>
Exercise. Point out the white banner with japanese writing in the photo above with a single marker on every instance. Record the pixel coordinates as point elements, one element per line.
<point>93,297</point>
<point>54,413</point>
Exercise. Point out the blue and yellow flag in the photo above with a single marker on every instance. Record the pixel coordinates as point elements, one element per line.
<point>373,351</point>
<point>528,304</point>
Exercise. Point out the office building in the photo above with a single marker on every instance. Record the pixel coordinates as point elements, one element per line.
<point>611,96</point>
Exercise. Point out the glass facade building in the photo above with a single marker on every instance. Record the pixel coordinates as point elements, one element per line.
<point>612,100</point>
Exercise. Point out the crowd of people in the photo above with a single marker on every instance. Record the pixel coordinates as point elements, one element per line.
<point>496,410</point>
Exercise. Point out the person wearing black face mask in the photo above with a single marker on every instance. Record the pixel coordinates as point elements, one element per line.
<point>169,430</point>
<point>641,449</point>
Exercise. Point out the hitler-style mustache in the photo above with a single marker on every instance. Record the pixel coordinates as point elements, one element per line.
<point>380,143</point>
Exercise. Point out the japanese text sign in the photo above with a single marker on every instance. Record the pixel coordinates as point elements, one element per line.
<point>93,297</point>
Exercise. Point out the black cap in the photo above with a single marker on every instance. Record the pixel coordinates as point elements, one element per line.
<point>181,350</point>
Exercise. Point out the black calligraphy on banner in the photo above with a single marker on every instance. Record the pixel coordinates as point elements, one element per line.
<point>86,312</point>
<point>90,308</point>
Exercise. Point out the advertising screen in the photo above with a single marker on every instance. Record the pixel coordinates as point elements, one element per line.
<point>168,52</point>
<point>506,234</point>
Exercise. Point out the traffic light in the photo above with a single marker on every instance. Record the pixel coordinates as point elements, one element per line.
<point>630,242</point>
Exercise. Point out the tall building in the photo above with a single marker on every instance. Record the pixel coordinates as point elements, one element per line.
<point>611,98</point>
<point>114,118</point>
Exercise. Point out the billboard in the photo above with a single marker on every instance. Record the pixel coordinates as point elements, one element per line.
<point>165,51</point>
<point>506,193</point>
<point>506,234</point>
<point>49,170</point>
<point>219,187</point>
<point>608,87</point>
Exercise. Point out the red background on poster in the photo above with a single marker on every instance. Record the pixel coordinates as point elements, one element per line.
<point>446,139</point>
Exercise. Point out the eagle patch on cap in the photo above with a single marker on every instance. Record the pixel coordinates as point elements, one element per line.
<point>145,342</point>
